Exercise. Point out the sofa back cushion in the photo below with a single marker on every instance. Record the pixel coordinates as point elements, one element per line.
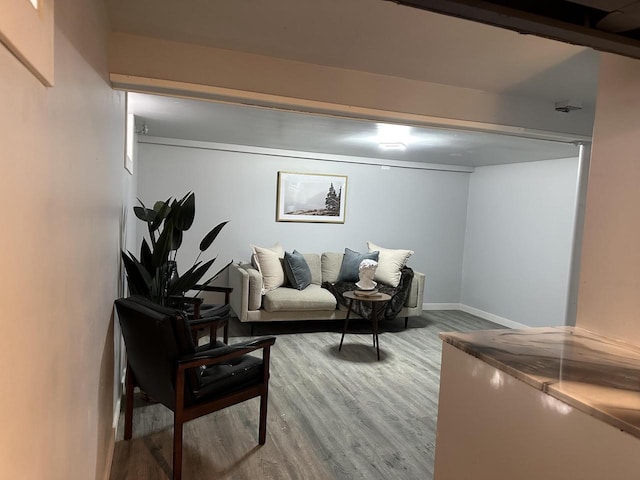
<point>313,260</point>
<point>331,262</point>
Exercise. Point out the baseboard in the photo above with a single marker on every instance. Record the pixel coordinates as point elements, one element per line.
<point>440,306</point>
<point>491,317</point>
<point>112,440</point>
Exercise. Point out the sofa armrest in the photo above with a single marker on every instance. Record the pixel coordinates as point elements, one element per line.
<point>246,282</point>
<point>416,291</point>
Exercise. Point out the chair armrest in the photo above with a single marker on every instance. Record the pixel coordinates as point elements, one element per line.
<point>222,354</point>
<point>203,322</point>
<point>213,288</point>
<point>182,300</point>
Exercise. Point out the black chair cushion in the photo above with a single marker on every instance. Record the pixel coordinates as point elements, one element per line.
<point>237,373</point>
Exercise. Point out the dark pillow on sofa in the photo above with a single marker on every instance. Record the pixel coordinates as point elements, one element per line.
<point>297,270</point>
<point>350,268</point>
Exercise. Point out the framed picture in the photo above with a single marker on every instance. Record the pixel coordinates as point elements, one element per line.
<point>305,197</point>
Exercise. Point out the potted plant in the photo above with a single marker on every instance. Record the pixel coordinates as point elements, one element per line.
<point>154,274</point>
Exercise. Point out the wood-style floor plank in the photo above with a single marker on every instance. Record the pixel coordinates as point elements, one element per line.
<point>333,415</point>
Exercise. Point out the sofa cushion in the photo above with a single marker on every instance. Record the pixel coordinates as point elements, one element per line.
<point>390,263</point>
<point>331,262</point>
<point>350,268</point>
<point>313,260</point>
<point>289,300</point>
<point>269,263</point>
<point>297,270</point>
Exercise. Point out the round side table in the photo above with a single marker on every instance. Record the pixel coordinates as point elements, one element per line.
<point>377,301</point>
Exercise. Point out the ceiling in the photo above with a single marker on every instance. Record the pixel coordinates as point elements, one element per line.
<point>355,34</point>
<point>270,128</point>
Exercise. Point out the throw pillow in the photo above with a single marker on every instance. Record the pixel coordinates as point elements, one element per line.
<point>297,270</point>
<point>350,268</point>
<point>389,264</point>
<point>269,264</point>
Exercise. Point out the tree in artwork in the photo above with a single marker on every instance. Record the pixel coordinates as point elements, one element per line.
<point>332,201</point>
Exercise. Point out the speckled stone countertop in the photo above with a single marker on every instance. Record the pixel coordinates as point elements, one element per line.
<point>594,374</point>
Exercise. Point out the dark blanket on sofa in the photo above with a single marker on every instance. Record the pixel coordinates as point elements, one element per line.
<point>398,294</point>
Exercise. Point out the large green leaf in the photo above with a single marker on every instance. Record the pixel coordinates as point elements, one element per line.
<point>144,214</point>
<point>176,240</point>
<point>207,282</point>
<point>137,276</point>
<point>162,213</point>
<point>189,279</point>
<point>186,212</point>
<point>146,258</point>
<point>211,236</point>
<point>163,247</point>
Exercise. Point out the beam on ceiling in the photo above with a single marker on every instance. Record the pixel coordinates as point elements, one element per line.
<point>510,15</point>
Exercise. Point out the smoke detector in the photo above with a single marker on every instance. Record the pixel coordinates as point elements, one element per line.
<point>567,106</point>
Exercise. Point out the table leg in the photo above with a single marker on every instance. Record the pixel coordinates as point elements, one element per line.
<point>374,320</point>
<point>346,324</point>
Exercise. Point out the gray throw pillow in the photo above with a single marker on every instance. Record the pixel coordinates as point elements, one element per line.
<point>350,268</point>
<point>297,270</point>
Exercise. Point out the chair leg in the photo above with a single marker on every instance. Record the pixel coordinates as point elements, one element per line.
<point>129,385</point>
<point>225,332</point>
<point>177,447</point>
<point>406,322</point>
<point>262,430</point>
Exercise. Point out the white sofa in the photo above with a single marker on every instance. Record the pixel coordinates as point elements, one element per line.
<point>312,303</point>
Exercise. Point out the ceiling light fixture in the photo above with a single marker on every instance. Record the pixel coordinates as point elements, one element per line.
<point>397,146</point>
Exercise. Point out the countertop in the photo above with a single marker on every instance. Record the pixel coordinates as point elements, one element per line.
<point>594,374</point>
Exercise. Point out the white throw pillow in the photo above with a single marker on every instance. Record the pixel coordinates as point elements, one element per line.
<point>269,264</point>
<point>390,262</point>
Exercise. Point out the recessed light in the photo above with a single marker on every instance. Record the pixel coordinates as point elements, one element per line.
<point>393,146</point>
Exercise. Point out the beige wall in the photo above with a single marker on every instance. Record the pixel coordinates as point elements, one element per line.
<point>199,65</point>
<point>610,277</point>
<point>61,189</point>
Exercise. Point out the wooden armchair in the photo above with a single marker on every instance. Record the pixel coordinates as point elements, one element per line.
<point>164,362</point>
<point>206,316</point>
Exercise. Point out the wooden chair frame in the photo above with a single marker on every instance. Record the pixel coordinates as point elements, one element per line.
<point>182,413</point>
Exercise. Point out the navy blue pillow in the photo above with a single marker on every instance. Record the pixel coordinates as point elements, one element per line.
<point>296,270</point>
<point>350,268</point>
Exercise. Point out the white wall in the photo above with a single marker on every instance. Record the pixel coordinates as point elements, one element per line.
<point>518,245</point>
<point>421,210</point>
<point>62,182</point>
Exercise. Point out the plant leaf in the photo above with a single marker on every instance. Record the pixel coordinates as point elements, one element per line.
<point>189,278</point>
<point>161,214</point>
<point>162,247</point>
<point>211,236</point>
<point>146,257</point>
<point>186,212</point>
<point>136,278</point>
<point>176,239</point>
<point>204,284</point>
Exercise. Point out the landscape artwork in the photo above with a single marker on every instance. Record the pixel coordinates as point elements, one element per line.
<point>305,197</point>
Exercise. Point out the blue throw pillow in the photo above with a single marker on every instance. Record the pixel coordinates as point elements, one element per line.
<point>350,268</point>
<point>297,270</point>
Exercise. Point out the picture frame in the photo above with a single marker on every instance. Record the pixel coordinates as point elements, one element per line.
<point>311,197</point>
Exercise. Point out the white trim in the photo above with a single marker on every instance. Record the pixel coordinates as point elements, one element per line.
<point>133,83</point>
<point>440,306</point>
<point>227,147</point>
<point>112,440</point>
<point>491,317</point>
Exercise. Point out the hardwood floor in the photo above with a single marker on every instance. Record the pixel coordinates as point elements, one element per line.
<point>332,415</point>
